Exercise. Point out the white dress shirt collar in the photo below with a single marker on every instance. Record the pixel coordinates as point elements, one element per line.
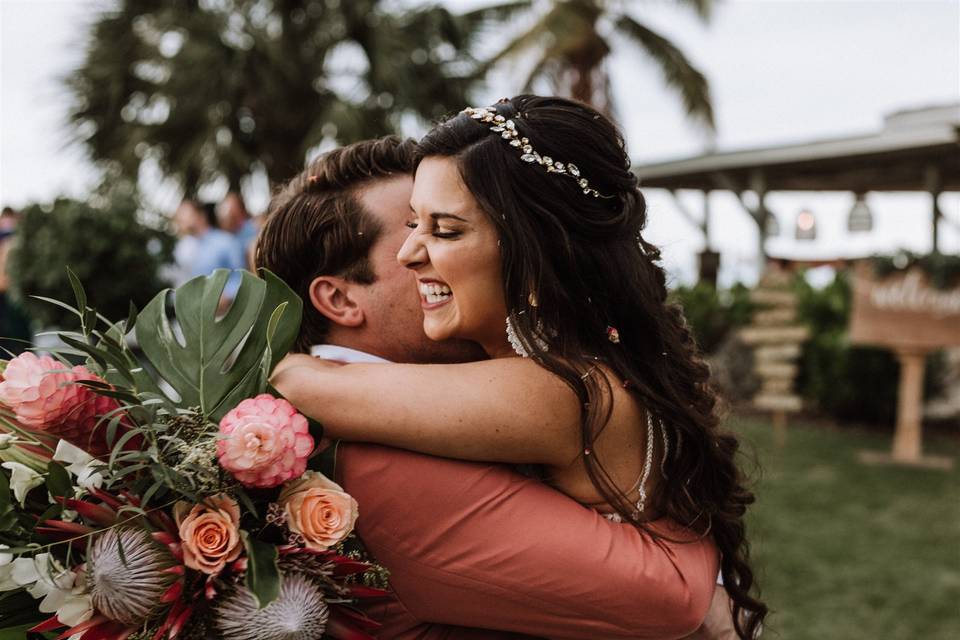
<point>343,354</point>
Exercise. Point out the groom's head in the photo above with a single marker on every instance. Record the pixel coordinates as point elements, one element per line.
<point>332,234</point>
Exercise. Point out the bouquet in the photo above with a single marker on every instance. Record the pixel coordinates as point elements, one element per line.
<point>169,492</point>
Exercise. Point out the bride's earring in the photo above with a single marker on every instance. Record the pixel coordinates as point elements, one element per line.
<point>517,343</point>
<point>514,339</point>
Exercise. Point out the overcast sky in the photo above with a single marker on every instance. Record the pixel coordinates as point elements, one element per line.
<point>781,71</point>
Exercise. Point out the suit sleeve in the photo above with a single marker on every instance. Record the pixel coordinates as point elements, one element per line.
<point>478,545</point>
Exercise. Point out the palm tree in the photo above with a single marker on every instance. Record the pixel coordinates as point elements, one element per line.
<point>571,40</point>
<point>208,90</point>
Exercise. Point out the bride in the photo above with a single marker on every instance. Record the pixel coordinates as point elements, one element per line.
<point>528,211</point>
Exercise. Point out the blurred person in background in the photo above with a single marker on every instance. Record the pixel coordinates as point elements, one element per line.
<point>233,217</point>
<point>203,247</point>
<point>15,331</point>
<point>9,219</point>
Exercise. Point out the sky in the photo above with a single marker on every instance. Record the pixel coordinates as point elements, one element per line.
<point>781,71</point>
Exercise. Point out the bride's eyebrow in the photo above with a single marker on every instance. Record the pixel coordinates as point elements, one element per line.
<point>439,215</point>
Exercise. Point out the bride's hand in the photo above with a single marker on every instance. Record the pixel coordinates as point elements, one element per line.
<point>292,375</point>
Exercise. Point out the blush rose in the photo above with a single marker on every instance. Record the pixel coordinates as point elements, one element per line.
<point>319,510</point>
<point>209,533</point>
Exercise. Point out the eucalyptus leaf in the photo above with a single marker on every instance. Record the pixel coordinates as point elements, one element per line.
<point>217,364</point>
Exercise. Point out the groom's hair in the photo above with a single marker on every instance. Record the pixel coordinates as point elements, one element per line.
<point>316,225</point>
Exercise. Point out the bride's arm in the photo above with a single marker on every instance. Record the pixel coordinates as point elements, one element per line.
<point>504,410</point>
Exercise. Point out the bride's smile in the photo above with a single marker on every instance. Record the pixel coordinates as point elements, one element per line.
<point>434,294</point>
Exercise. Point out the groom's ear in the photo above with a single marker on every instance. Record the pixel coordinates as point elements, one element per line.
<point>330,296</point>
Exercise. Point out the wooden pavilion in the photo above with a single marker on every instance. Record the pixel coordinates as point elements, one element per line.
<point>916,150</point>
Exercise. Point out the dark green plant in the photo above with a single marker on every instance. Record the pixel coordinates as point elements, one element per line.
<point>942,269</point>
<point>104,243</point>
<point>712,314</point>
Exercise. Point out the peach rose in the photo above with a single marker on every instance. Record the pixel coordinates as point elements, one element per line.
<point>319,510</point>
<point>209,533</point>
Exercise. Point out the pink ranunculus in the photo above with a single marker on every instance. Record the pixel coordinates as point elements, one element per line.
<point>209,533</point>
<point>319,510</point>
<point>44,396</point>
<point>264,442</point>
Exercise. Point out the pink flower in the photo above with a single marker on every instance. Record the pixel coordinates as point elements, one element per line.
<point>264,442</point>
<point>44,396</point>
<point>209,533</point>
<point>319,510</point>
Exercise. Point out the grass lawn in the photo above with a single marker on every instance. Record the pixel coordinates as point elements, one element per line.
<point>844,550</point>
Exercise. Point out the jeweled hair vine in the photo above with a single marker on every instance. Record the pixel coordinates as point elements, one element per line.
<point>507,129</point>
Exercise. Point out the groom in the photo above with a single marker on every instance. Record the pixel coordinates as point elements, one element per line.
<point>475,550</point>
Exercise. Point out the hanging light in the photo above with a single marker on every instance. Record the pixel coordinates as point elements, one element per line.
<point>806,225</point>
<point>860,217</point>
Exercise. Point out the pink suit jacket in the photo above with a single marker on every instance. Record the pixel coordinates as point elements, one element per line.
<point>477,551</point>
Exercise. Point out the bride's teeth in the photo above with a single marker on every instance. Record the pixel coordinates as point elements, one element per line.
<point>435,293</point>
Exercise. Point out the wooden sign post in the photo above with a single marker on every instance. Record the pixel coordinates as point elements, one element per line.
<point>776,337</point>
<point>904,313</point>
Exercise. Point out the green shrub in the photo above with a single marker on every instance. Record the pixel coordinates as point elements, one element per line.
<point>848,382</point>
<point>116,256</point>
<point>712,314</point>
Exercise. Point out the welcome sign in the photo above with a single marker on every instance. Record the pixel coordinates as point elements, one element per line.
<point>903,311</point>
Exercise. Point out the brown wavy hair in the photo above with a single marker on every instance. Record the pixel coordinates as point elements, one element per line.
<point>316,224</point>
<point>575,265</point>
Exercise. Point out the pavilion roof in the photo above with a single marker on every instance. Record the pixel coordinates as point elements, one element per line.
<point>914,150</point>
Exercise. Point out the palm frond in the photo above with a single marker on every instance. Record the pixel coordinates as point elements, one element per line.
<point>678,71</point>
<point>703,8</point>
<point>515,47</point>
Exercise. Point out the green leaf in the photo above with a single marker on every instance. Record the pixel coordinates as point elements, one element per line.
<point>131,318</point>
<point>96,354</point>
<point>263,575</point>
<point>58,480</point>
<point>8,520</point>
<point>78,293</point>
<point>247,502</point>
<point>53,511</point>
<point>218,363</point>
<point>4,491</point>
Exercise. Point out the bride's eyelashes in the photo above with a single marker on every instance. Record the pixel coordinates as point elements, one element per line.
<point>436,233</point>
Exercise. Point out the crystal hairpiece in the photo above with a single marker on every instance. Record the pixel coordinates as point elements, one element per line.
<point>508,131</point>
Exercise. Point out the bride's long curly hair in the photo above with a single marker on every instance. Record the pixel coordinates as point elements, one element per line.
<point>576,265</point>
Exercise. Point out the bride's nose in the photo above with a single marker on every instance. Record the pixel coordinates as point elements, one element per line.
<point>413,253</point>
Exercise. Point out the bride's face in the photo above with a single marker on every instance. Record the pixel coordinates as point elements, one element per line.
<point>453,249</point>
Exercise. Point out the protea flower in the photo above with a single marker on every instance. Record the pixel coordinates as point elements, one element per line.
<point>300,613</point>
<point>128,587</point>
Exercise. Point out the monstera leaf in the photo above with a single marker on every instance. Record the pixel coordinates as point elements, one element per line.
<point>216,362</point>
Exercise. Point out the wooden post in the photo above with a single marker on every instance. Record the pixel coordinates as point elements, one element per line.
<point>780,428</point>
<point>934,185</point>
<point>908,436</point>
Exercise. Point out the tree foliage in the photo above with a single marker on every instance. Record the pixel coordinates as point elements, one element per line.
<point>105,244</point>
<point>220,88</point>
<point>571,40</point>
